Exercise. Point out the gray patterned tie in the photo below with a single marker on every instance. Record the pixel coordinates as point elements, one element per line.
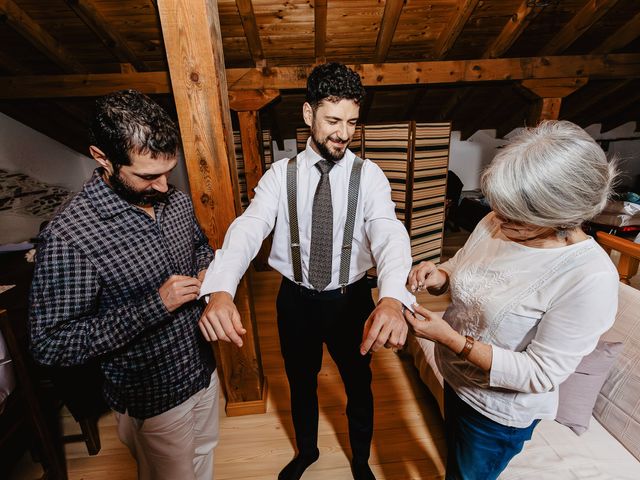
<point>321,230</point>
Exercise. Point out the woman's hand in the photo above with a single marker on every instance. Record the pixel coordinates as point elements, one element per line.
<point>426,275</point>
<point>432,327</point>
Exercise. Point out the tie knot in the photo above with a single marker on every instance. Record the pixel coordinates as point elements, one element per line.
<point>324,166</point>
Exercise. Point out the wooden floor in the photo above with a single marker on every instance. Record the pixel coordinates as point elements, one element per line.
<point>408,442</point>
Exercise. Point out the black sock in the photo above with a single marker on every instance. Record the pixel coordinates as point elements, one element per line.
<point>296,467</point>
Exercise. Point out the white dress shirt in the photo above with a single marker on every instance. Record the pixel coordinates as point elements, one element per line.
<point>378,236</point>
<point>541,309</point>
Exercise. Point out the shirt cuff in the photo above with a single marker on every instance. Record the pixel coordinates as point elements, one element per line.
<point>399,293</point>
<point>155,308</point>
<point>499,375</point>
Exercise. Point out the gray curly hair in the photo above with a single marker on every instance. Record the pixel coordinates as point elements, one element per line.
<point>554,175</point>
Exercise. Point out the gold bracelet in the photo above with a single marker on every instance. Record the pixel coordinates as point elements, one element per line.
<point>470,341</point>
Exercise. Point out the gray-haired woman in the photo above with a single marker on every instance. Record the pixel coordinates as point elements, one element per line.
<point>531,294</point>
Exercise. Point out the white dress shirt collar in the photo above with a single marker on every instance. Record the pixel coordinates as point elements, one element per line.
<point>311,157</point>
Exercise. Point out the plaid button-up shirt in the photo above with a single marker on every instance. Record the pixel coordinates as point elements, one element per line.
<point>95,297</point>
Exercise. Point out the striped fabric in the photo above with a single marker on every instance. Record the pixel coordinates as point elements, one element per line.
<point>415,159</point>
<point>266,160</point>
<point>427,199</point>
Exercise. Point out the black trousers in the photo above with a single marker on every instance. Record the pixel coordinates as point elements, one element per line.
<point>306,320</point>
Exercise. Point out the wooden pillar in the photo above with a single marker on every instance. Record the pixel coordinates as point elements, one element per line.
<point>193,43</point>
<point>248,103</point>
<point>547,95</point>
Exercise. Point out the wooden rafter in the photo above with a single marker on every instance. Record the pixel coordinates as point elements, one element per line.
<point>451,33</point>
<point>251,100</point>
<point>479,121</point>
<point>579,24</point>
<point>621,37</point>
<point>513,29</point>
<point>390,18</point>
<point>320,29</point>
<point>38,37</point>
<point>251,32</point>
<point>111,38</point>
<point>612,66</point>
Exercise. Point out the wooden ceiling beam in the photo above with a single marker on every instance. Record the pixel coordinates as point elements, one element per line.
<point>388,25</point>
<point>554,87</point>
<point>111,38</point>
<point>621,37</point>
<point>251,100</point>
<point>31,31</point>
<point>449,71</point>
<point>251,31</point>
<point>450,34</point>
<point>514,27</point>
<point>320,29</point>
<point>592,11</point>
<point>612,66</point>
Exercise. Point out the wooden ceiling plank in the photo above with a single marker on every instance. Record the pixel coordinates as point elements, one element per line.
<point>621,37</point>
<point>251,32</point>
<point>111,38</point>
<point>609,111</point>
<point>517,24</point>
<point>455,101</point>
<point>320,28</point>
<point>366,106</point>
<point>414,102</point>
<point>450,34</point>
<point>10,65</point>
<point>589,14</point>
<point>612,66</point>
<point>592,100</point>
<point>38,37</point>
<point>388,25</point>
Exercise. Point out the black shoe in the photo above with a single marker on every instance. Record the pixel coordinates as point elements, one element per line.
<point>296,467</point>
<point>362,471</point>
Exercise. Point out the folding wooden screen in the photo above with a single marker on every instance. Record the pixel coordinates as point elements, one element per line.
<point>266,161</point>
<point>415,158</point>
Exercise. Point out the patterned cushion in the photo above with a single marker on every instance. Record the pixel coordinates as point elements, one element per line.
<point>578,393</point>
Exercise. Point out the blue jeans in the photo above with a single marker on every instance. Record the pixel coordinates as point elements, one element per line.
<point>478,448</point>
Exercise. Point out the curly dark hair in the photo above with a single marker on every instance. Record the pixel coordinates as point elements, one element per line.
<point>334,82</point>
<point>128,121</point>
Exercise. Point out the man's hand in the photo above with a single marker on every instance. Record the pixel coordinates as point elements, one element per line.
<point>426,275</point>
<point>221,320</point>
<point>385,327</point>
<point>201,275</point>
<point>178,290</point>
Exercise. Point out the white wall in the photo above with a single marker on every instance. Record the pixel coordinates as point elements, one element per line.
<point>25,150</point>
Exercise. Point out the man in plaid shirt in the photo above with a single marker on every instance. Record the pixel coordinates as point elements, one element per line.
<point>117,276</point>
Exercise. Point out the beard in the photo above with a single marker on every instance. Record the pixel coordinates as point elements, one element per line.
<point>325,151</point>
<point>129,194</point>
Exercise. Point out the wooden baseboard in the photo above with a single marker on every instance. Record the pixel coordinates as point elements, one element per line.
<point>236,409</point>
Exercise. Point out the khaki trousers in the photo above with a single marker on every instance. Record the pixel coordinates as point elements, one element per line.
<point>177,444</point>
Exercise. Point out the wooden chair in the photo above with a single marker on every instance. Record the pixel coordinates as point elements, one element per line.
<point>26,407</point>
<point>629,254</point>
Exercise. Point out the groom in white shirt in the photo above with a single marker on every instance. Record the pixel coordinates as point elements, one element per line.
<point>318,198</point>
